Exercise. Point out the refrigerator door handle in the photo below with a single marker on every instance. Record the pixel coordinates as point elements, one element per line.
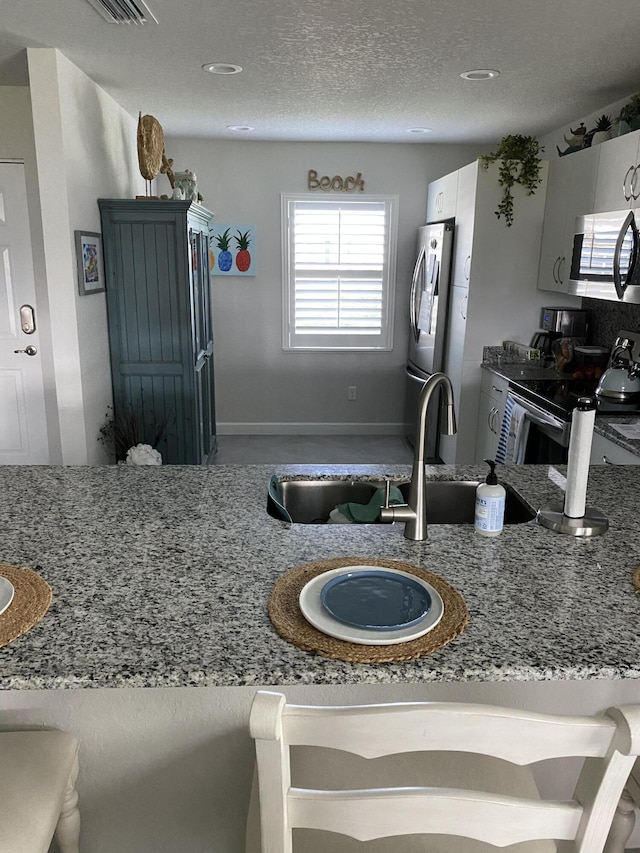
<point>413,308</point>
<point>414,376</point>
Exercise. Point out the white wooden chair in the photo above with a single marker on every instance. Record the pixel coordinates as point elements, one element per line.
<point>478,791</point>
<point>625,816</point>
<point>38,801</point>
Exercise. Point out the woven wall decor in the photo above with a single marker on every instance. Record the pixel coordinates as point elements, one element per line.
<point>30,602</point>
<point>287,618</point>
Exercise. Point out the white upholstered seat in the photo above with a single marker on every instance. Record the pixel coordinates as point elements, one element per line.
<point>38,770</point>
<point>476,789</point>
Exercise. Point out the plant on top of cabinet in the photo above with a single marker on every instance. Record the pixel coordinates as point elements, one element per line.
<point>519,164</point>
<point>630,113</point>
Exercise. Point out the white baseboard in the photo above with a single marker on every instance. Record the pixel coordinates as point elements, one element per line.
<point>230,428</point>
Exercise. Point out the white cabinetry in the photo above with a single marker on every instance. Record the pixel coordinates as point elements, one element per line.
<point>570,193</point>
<point>604,451</point>
<point>441,198</point>
<point>494,295</point>
<point>493,395</point>
<point>618,184</point>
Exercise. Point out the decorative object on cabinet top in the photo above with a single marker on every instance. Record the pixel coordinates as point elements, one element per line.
<point>582,138</point>
<point>630,113</point>
<point>152,159</point>
<point>520,163</point>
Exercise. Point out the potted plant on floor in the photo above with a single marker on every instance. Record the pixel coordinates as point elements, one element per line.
<point>122,435</point>
<point>520,163</point>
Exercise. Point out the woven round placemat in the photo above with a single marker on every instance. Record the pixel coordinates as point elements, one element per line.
<point>287,618</point>
<point>30,602</point>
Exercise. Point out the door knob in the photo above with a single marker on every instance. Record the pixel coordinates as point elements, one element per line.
<point>30,350</point>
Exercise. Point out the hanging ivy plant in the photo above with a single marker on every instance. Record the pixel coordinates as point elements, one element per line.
<point>520,163</point>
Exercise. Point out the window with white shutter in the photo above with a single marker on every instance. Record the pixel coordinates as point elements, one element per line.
<point>339,258</point>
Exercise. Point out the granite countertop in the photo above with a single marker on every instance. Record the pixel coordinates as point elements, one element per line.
<point>161,576</point>
<point>604,422</point>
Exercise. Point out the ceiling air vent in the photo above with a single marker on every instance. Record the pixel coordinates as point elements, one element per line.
<point>124,11</point>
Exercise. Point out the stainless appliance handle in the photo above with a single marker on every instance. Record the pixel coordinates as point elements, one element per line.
<point>414,376</point>
<point>629,223</point>
<point>413,314</point>
<point>537,414</point>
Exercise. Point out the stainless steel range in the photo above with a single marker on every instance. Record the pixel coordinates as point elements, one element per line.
<point>549,403</point>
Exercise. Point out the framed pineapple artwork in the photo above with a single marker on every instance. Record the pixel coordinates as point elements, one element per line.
<point>232,250</point>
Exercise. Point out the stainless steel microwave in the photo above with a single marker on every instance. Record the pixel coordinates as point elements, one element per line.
<point>604,262</point>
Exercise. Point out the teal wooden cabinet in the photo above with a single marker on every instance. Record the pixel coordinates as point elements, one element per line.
<point>156,256</point>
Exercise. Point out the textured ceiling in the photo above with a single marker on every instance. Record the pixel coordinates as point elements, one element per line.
<point>345,70</point>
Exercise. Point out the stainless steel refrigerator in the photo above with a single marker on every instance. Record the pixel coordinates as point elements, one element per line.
<point>428,310</point>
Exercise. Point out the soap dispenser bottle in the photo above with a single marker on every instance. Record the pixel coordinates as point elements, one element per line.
<point>490,495</point>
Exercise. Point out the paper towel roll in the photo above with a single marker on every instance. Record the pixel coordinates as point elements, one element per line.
<point>582,422</point>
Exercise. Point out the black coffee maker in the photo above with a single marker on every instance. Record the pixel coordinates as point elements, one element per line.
<point>558,323</point>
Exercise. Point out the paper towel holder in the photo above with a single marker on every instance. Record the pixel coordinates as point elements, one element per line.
<point>591,521</point>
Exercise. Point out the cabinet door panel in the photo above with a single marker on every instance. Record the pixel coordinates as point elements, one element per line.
<point>555,217</point>
<point>604,451</point>
<point>489,421</point>
<point>160,327</point>
<point>617,156</point>
<point>441,198</point>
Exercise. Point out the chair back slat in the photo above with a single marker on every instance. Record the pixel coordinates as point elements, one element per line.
<point>508,809</point>
<point>380,813</point>
<point>517,736</point>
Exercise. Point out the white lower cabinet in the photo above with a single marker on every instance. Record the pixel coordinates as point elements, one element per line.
<point>493,395</point>
<point>604,451</point>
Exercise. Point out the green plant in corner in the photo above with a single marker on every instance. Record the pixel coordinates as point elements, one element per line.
<point>520,163</point>
<point>631,110</point>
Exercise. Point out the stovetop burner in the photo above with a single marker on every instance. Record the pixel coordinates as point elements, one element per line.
<point>560,396</point>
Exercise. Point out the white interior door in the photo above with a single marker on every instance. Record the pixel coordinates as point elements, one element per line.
<point>23,429</point>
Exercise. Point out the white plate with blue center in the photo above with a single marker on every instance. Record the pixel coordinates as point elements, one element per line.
<point>6,594</point>
<point>371,605</point>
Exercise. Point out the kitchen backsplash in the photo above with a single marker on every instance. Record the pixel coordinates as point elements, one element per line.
<point>606,319</point>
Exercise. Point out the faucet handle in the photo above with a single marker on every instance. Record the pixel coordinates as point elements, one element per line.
<point>387,492</point>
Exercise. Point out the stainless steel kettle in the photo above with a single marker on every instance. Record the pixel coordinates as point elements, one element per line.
<point>621,380</point>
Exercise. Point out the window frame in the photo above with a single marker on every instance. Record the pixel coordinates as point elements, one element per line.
<point>328,342</point>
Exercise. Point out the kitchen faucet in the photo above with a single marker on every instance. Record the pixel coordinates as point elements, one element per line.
<point>414,512</point>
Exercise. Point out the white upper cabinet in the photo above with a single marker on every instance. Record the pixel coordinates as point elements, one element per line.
<point>441,198</point>
<point>618,184</point>
<point>570,193</point>
<point>555,218</point>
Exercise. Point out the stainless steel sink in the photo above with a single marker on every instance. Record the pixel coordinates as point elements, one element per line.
<point>448,501</point>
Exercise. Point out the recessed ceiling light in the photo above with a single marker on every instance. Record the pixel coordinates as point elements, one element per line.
<point>222,68</point>
<point>480,74</point>
<point>420,130</point>
<point>240,128</point>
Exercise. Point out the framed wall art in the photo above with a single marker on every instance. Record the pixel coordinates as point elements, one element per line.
<point>232,250</point>
<point>89,261</point>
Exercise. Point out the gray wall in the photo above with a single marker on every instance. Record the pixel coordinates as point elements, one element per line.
<point>259,387</point>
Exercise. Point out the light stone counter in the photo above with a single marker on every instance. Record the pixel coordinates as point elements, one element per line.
<point>161,577</point>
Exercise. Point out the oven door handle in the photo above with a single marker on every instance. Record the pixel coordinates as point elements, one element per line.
<point>536,414</point>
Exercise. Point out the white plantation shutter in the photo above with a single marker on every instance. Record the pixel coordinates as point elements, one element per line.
<point>339,261</point>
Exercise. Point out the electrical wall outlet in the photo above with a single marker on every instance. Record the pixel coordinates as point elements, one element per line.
<point>352,392</point>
